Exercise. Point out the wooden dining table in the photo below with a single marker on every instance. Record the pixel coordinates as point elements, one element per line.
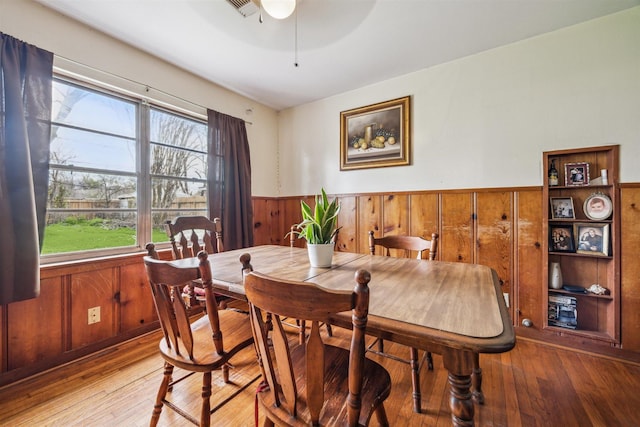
<point>453,309</point>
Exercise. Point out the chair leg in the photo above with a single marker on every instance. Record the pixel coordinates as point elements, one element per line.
<point>205,412</point>
<point>381,415</point>
<point>476,381</point>
<point>303,332</point>
<point>415,380</point>
<point>380,345</point>
<point>429,361</point>
<point>162,393</point>
<point>225,373</point>
<point>329,330</point>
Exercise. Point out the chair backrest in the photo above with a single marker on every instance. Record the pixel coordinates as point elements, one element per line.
<point>191,234</point>
<point>307,301</point>
<point>163,277</point>
<point>407,243</point>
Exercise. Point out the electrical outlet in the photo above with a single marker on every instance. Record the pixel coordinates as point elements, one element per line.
<point>506,298</point>
<point>94,315</point>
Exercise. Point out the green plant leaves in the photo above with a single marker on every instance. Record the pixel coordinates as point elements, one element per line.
<point>319,226</point>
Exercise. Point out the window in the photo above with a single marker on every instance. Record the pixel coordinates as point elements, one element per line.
<point>119,168</point>
<point>178,168</point>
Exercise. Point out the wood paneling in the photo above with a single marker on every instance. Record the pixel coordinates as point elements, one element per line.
<point>526,295</point>
<point>266,224</point>
<point>630,280</point>
<point>494,222</point>
<point>395,217</point>
<point>92,289</point>
<point>369,218</point>
<point>348,221</point>
<point>423,217</point>
<point>457,225</point>
<point>36,326</point>
<point>136,305</point>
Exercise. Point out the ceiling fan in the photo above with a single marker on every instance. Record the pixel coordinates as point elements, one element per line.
<point>278,9</point>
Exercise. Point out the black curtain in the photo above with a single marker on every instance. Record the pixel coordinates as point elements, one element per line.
<point>25,129</point>
<point>229,179</point>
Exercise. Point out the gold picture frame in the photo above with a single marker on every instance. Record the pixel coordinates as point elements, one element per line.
<point>376,135</point>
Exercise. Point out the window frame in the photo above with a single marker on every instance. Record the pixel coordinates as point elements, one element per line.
<point>143,209</point>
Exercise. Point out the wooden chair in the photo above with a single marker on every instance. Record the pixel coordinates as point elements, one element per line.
<point>407,244</point>
<point>314,383</point>
<point>188,236</point>
<point>301,324</point>
<point>197,346</point>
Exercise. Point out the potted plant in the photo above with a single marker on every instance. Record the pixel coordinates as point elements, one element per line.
<point>318,228</point>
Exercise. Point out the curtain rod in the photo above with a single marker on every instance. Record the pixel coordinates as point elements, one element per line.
<point>145,87</point>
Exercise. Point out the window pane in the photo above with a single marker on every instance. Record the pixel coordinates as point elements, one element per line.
<point>88,109</point>
<point>171,129</point>
<point>175,162</point>
<point>178,194</point>
<point>92,150</point>
<point>69,231</point>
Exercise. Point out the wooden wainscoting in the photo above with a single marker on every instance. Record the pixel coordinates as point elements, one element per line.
<point>498,227</point>
<point>53,329</point>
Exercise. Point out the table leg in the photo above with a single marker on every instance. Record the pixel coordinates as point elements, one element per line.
<point>476,381</point>
<point>460,365</point>
<point>460,400</point>
<point>415,379</point>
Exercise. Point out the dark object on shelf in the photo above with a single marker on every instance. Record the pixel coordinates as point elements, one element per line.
<point>553,174</point>
<point>574,289</point>
<point>563,311</point>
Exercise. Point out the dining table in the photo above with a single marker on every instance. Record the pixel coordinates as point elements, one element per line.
<point>453,309</point>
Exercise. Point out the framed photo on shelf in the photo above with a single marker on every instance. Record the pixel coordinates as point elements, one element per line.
<point>598,207</point>
<point>576,174</point>
<point>592,239</point>
<point>562,208</point>
<point>561,238</point>
<point>376,135</point>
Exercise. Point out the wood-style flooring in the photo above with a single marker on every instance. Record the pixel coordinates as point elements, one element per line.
<point>533,385</point>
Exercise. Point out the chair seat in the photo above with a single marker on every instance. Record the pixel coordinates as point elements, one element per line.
<point>205,357</point>
<point>376,387</point>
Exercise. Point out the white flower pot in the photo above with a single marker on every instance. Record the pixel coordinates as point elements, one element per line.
<point>320,255</point>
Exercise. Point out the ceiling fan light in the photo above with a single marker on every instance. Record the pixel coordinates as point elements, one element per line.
<point>279,9</point>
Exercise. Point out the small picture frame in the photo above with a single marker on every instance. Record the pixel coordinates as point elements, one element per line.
<point>597,207</point>
<point>561,238</point>
<point>562,208</point>
<point>592,239</point>
<point>576,174</point>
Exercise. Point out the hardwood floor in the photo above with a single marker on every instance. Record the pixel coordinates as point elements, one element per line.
<point>533,385</point>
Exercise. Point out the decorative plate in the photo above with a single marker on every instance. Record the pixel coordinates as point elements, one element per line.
<point>598,206</point>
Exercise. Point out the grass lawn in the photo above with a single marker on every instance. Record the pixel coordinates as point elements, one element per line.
<point>65,237</point>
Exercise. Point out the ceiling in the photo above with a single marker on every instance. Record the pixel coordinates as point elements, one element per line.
<point>341,44</point>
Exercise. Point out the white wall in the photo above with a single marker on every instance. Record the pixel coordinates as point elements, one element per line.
<point>484,121</point>
<point>37,25</point>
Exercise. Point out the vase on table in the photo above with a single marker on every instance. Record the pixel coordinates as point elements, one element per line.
<point>320,255</point>
<point>555,276</point>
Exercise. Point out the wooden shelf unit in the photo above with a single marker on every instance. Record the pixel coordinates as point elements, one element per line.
<point>598,316</point>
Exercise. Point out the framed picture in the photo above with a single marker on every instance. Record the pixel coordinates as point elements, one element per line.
<point>376,135</point>
<point>592,239</point>
<point>576,174</point>
<point>562,208</point>
<point>598,207</point>
<point>561,238</point>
